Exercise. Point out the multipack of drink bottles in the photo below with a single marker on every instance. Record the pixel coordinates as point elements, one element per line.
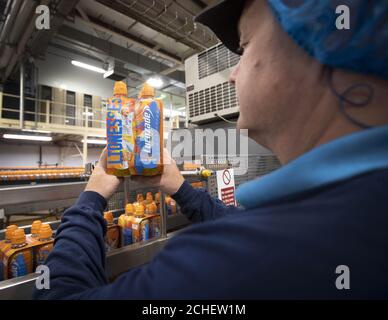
<point>134,132</point>
<point>20,254</point>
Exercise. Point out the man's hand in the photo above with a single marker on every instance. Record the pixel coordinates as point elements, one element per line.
<point>101,182</point>
<point>169,182</point>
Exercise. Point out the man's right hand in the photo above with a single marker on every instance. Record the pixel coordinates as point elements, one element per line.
<point>169,182</point>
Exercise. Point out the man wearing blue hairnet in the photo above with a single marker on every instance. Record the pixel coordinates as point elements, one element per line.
<point>316,228</point>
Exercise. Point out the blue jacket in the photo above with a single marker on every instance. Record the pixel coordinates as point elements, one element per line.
<point>285,246</point>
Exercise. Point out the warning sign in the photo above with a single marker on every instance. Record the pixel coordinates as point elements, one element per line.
<point>226,187</point>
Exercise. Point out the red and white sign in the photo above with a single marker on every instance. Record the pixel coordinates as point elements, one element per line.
<point>226,187</point>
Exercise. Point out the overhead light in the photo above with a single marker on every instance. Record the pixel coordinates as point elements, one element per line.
<point>97,136</point>
<point>94,141</point>
<point>26,137</point>
<point>87,66</point>
<point>37,131</point>
<point>155,82</point>
<point>87,113</point>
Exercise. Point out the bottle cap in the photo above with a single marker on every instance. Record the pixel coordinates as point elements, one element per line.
<point>9,231</point>
<point>147,91</point>
<point>108,216</point>
<point>120,88</point>
<point>35,227</point>
<point>45,231</point>
<point>18,237</point>
<point>152,208</point>
<point>129,208</point>
<point>139,211</point>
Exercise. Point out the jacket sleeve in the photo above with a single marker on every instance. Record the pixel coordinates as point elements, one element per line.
<point>182,270</point>
<point>198,205</point>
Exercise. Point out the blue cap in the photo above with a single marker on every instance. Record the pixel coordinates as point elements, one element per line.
<point>362,48</point>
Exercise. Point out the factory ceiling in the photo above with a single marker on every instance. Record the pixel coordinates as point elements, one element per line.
<point>143,36</point>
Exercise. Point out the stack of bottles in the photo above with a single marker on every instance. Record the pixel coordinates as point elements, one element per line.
<point>40,174</point>
<point>20,254</point>
<point>141,220</point>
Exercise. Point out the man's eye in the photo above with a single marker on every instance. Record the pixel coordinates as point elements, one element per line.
<point>240,50</point>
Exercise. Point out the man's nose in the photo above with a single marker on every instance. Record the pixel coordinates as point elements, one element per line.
<point>233,75</point>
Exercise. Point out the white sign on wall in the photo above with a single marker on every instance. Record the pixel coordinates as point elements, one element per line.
<point>226,187</point>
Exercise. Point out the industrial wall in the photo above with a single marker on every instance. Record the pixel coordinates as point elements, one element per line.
<point>57,71</point>
<point>28,155</point>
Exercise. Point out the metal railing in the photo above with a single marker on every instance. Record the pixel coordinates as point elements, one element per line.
<point>55,112</point>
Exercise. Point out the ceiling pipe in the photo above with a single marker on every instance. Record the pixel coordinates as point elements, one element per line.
<point>21,98</point>
<point>9,20</point>
<point>22,19</point>
<point>19,49</point>
<point>4,15</point>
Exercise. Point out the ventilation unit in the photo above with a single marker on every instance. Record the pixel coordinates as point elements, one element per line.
<point>208,91</point>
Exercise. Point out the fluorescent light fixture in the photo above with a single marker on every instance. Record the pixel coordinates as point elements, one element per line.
<point>88,114</point>
<point>174,113</point>
<point>26,137</point>
<point>97,136</point>
<point>37,131</point>
<point>87,66</point>
<point>155,82</point>
<point>94,141</point>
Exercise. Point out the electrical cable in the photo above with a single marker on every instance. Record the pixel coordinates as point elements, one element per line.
<point>226,120</point>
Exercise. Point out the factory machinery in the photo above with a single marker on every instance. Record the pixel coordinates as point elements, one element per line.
<point>63,195</point>
<point>25,175</point>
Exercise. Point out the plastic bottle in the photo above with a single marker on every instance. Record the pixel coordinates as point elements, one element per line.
<point>5,245</point>
<point>125,222</point>
<point>19,260</point>
<point>154,219</point>
<point>157,201</point>
<point>120,129</point>
<point>112,237</point>
<point>33,237</point>
<point>140,225</point>
<point>149,134</point>
<point>46,239</point>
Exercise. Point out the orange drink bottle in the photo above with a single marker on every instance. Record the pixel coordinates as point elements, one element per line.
<point>5,245</point>
<point>148,134</point>
<point>140,225</point>
<point>18,260</point>
<point>120,131</point>
<point>112,237</point>
<point>46,241</point>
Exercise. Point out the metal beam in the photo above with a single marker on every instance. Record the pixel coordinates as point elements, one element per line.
<point>151,24</point>
<point>41,40</point>
<point>100,25</point>
<point>21,99</point>
<point>136,62</point>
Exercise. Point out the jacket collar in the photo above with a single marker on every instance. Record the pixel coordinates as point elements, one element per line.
<point>338,160</point>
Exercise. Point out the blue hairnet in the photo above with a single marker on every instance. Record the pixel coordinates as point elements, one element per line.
<point>312,24</point>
